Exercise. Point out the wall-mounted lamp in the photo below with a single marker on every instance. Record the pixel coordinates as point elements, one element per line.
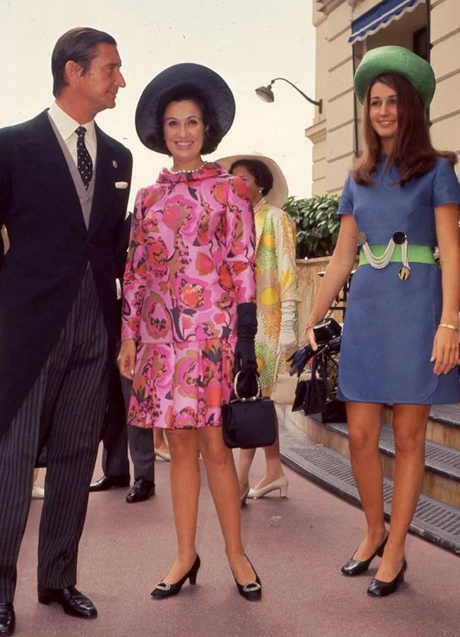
<point>266,94</point>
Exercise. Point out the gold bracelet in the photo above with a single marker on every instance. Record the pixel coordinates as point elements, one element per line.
<point>309,325</point>
<point>448,326</point>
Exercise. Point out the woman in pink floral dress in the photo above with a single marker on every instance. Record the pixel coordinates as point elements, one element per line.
<point>189,276</point>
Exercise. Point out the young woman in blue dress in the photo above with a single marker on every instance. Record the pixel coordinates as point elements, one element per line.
<point>400,342</point>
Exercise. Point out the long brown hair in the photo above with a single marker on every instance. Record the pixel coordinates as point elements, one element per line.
<point>413,153</point>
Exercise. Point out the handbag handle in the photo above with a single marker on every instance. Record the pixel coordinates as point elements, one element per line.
<point>241,398</point>
<point>321,359</point>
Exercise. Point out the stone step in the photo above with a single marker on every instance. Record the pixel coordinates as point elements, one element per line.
<point>443,425</point>
<point>442,464</point>
<point>434,520</point>
<point>438,458</point>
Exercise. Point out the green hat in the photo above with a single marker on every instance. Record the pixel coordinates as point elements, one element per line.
<point>399,60</point>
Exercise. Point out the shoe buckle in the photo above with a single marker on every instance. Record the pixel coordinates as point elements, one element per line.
<point>251,587</point>
<point>163,586</point>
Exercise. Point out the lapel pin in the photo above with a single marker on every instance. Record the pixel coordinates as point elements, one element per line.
<point>114,163</point>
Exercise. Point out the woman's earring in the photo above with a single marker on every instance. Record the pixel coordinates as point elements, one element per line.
<point>260,189</point>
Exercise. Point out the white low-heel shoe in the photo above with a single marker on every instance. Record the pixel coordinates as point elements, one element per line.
<point>164,455</point>
<point>38,493</point>
<point>281,484</point>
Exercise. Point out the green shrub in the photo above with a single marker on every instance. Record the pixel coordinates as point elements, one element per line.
<point>317,224</point>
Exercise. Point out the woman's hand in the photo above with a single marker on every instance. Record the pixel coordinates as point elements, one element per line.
<point>310,336</point>
<point>445,351</point>
<point>127,358</point>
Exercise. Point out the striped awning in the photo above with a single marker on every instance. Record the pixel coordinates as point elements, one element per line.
<point>379,16</point>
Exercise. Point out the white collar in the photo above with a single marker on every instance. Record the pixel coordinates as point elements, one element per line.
<point>66,125</point>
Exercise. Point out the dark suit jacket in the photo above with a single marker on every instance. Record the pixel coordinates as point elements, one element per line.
<point>51,247</point>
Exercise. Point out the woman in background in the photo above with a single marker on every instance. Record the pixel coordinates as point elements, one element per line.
<point>277,298</point>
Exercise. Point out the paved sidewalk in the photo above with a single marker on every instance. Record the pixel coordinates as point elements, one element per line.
<point>297,545</point>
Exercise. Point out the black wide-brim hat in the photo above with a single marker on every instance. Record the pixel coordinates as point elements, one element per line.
<point>200,79</point>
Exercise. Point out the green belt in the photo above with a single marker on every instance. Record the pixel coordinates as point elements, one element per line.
<point>415,254</point>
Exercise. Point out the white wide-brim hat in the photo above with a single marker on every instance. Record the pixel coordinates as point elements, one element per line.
<point>280,192</point>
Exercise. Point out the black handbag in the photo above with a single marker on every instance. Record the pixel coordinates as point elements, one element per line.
<point>334,410</point>
<point>311,395</point>
<point>327,334</point>
<point>326,330</point>
<point>248,423</point>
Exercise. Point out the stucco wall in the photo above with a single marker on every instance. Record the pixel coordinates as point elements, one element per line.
<point>309,284</point>
<point>333,132</point>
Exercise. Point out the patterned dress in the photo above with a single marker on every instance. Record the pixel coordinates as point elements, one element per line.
<point>190,263</point>
<point>276,282</point>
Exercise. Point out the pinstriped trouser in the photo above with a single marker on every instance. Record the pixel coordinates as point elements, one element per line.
<point>66,406</point>
<point>117,434</point>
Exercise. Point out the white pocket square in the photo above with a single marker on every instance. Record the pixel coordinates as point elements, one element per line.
<point>121,184</point>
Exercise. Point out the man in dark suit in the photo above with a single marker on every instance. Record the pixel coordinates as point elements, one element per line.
<point>64,187</point>
<point>117,434</point>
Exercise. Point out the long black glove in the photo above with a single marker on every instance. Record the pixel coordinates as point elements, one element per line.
<point>245,352</point>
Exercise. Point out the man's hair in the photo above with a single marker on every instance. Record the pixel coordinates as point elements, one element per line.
<point>80,46</point>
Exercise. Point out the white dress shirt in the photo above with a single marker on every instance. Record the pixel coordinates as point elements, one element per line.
<point>67,126</point>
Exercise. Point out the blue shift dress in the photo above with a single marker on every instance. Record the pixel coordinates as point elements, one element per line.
<point>390,324</point>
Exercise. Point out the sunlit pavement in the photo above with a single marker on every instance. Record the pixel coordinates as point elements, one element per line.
<point>297,544</point>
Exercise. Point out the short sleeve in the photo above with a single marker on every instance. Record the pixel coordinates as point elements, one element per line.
<point>346,198</point>
<point>446,188</point>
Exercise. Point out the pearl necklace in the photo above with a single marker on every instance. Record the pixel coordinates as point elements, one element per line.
<point>260,204</point>
<point>187,171</point>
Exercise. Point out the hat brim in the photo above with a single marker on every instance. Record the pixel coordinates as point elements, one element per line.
<point>280,192</point>
<point>214,90</point>
<point>399,60</point>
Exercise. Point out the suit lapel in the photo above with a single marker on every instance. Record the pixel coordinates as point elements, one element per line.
<point>45,157</point>
<point>104,188</point>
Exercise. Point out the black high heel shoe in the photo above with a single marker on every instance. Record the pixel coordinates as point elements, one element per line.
<point>252,591</point>
<point>356,567</point>
<point>377,588</point>
<point>163,589</point>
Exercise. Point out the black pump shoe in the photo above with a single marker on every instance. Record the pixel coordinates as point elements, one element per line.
<point>377,588</point>
<point>356,567</point>
<point>252,591</point>
<point>163,589</point>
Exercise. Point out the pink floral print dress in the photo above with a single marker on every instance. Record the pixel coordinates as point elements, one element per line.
<point>190,263</point>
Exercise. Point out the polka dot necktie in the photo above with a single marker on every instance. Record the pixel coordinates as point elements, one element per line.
<point>84,161</point>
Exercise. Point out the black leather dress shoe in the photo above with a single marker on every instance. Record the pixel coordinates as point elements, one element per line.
<point>107,482</point>
<point>141,490</point>
<point>356,567</point>
<point>7,618</point>
<point>72,601</point>
<point>377,588</point>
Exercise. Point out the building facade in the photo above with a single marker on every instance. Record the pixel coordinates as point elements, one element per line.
<point>345,30</point>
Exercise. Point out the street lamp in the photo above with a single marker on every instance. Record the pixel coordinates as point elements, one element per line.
<point>266,94</point>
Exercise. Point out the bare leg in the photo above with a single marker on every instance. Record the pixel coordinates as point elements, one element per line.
<point>223,484</point>
<point>245,458</point>
<point>409,424</point>
<point>274,468</point>
<point>364,425</point>
<point>159,442</point>
<point>185,490</point>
